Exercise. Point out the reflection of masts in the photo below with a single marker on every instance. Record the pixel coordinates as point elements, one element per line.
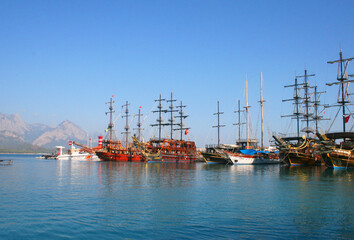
<point>110,125</point>
<point>181,116</point>
<point>171,110</point>
<point>247,116</point>
<point>218,126</point>
<point>239,120</point>
<point>139,125</point>
<point>306,85</point>
<point>160,111</point>
<point>261,101</point>
<point>296,99</point>
<point>342,77</point>
<point>126,123</point>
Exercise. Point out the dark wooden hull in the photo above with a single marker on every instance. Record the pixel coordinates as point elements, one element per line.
<point>171,157</point>
<point>217,158</point>
<point>339,158</point>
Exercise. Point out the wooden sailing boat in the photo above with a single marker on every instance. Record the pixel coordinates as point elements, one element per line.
<point>338,147</point>
<point>169,149</point>
<point>298,151</point>
<point>215,154</point>
<point>112,150</point>
<point>251,155</point>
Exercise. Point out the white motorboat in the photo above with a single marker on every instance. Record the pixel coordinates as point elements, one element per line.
<point>75,154</point>
<point>253,157</point>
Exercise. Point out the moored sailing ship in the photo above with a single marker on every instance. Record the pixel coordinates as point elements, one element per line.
<point>112,150</point>
<point>169,149</point>
<point>214,154</point>
<point>338,147</point>
<point>298,151</point>
<point>247,154</point>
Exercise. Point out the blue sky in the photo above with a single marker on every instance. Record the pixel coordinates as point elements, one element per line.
<point>62,60</point>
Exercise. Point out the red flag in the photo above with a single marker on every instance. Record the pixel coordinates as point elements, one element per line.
<point>70,143</point>
<point>346,119</point>
<point>112,95</point>
<point>140,107</point>
<point>186,132</point>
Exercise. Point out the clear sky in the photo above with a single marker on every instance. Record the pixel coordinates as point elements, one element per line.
<point>62,60</point>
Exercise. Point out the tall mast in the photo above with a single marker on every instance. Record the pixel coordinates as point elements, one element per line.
<point>307,100</point>
<point>111,111</point>
<point>181,116</point>
<point>261,101</point>
<point>343,78</point>
<point>219,126</point>
<point>171,110</point>
<point>139,124</point>
<point>296,99</point>
<point>160,111</point>
<point>126,123</point>
<point>247,116</point>
<point>316,110</point>
<point>239,120</point>
<point>317,117</point>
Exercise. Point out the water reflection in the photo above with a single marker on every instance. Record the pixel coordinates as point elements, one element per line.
<point>255,169</point>
<point>310,173</point>
<point>146,200</point>
<point>145,174</point>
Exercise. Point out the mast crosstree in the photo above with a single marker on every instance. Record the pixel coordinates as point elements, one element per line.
<point>110,125</point>
<point>181,116</point>
<point>239,120</point>
<point>139,124</point>
<point>159,120</point>
<point>126,123</point>
<point>218,126</point>
<point>307,115</point>
<point>171,111</point>
<point>343,81</point>
<point>160,123</point>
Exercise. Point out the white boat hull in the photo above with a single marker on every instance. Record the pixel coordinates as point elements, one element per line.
<point>79,157</point>
<point>243,159</point>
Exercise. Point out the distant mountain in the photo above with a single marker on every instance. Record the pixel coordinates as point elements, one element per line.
<point>17,135</point>
<point>35,131</point>
<point>13,123</point>
<point>66,131</point>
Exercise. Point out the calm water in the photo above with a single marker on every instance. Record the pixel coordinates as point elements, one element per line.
<point>48,199</point>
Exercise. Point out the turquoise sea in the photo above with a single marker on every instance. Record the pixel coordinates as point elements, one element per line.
<point>49,199</point>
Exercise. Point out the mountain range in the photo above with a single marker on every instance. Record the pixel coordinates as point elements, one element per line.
<point>18,136</point>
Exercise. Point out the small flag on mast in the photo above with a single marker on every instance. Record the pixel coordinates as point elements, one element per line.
<point>346,119</point>
<point>186,132</point>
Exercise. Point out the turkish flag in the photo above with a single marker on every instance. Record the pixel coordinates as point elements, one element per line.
<point>346,119</point>
<point>186,132</point>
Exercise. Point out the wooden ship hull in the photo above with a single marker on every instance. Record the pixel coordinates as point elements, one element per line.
<point>296,158</point>
<point>215,158</point>
<point>305,153</point>
<point>121,155</point>
<point>337,155</point>
<point>340,158</point>
<point>170,157</point>
<point>170,150</point>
